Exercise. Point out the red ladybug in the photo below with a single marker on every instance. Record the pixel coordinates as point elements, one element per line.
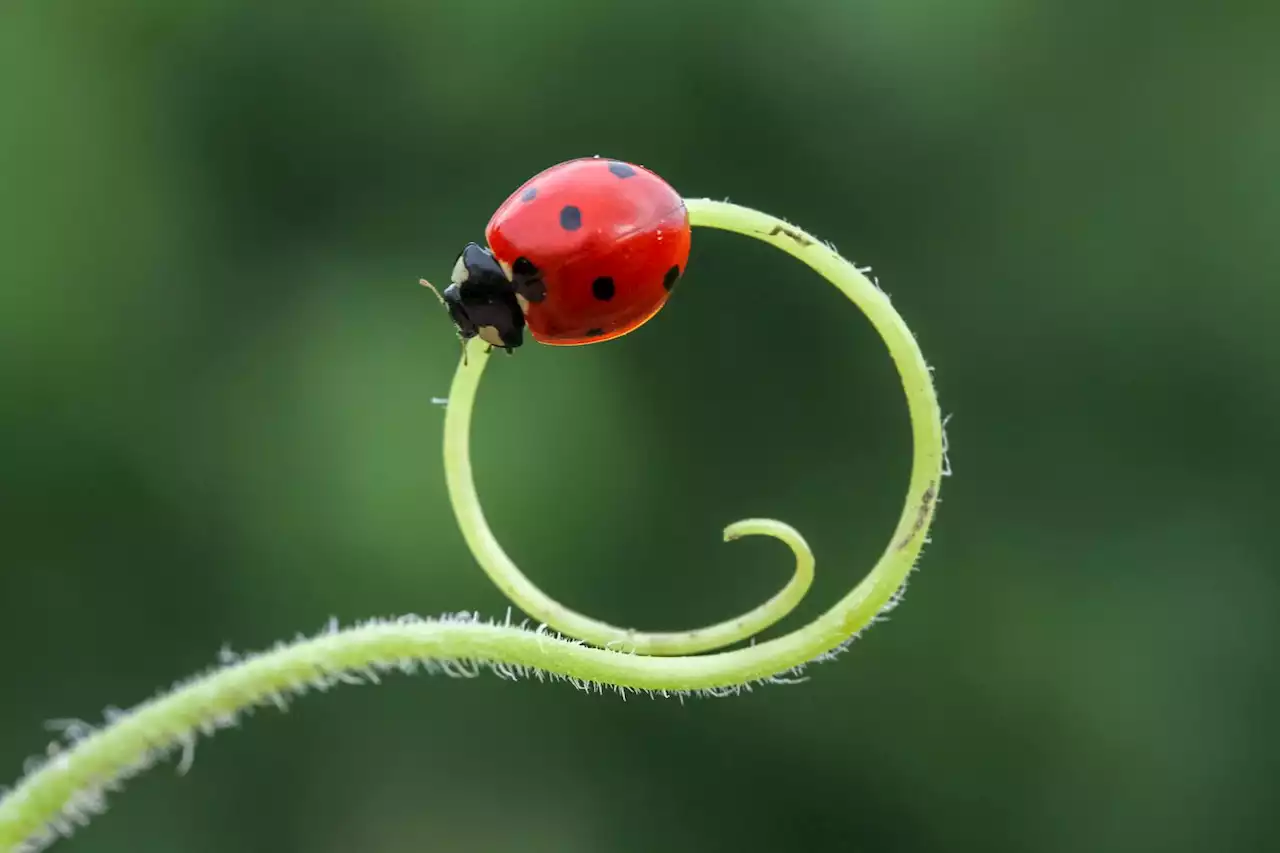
<point>584,252</point>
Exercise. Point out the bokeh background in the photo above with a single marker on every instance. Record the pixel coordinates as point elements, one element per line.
<point>216,423</point>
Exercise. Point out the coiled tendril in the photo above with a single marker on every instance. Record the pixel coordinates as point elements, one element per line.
<point>67,785</point>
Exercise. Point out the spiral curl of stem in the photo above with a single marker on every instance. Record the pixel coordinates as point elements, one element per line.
<point>68,785</point>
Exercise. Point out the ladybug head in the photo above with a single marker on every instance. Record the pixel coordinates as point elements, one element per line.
<point>482,301</point>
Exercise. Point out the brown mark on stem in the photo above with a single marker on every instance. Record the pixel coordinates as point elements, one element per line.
<point>922,515</point>
<point>795,234</point>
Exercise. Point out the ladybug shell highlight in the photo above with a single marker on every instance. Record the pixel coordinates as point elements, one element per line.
<point>593,248</point>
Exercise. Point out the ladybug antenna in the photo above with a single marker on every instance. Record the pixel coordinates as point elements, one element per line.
<point>462,339</point>
<point>432,288</point>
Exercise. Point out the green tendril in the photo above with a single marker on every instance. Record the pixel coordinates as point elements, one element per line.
<point>68,784</point>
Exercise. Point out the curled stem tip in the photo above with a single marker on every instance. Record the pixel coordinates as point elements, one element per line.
<point>68,784</point>
<point>848,616</point>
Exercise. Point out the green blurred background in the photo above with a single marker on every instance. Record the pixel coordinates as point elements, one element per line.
<point>216,421</point>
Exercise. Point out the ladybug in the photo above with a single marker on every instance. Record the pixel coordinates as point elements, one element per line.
<point>583,252</point>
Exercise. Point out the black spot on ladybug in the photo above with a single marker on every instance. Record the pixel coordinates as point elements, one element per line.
<point>524,267</point>
<point>622,170</point>
<point>669,280</point>
<point>602,288</point>
<point>529,194</point>
<point>594,333</point>
<point>570,218</point>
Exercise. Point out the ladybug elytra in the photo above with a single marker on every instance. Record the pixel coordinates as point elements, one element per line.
<point>583,252</point>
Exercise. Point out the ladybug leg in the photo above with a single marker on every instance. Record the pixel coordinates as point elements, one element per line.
<point>531,289</point>
<point>526,280</point>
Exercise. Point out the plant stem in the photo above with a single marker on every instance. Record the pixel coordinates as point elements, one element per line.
<point>71,784</point>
